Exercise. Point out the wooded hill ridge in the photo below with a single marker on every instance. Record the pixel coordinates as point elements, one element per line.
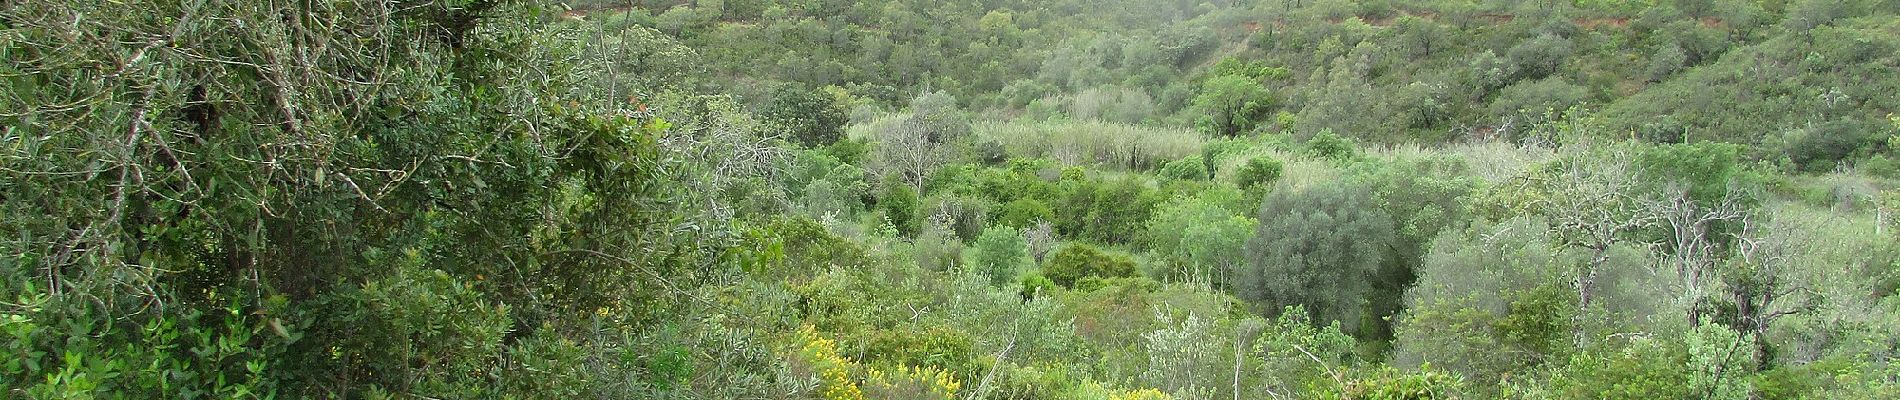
<point>986,199</point>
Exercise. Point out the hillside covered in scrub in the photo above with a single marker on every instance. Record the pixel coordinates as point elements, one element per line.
<point>987,199</point>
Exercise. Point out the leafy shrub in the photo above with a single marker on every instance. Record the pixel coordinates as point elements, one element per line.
<point>1000,253</point>
<point>1819,148</point>
<point>1024,212</point>
<point>1200,239</point>
<point>937,249</point>
<point>1075,261</point>
<point>808,247</point>
<point>1190,168</point>
<point>1327,248</point>
<point>1035,282</point>
<point>899,205</point>
<point>941,347</point>
<point>1387,383</point>
<point>1107,212</point>
<point>1263,171</point>
<point>1331,146</point>
<point>810,117</point>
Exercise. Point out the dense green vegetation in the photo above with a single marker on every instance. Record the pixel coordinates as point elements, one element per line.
<point>998,199</point>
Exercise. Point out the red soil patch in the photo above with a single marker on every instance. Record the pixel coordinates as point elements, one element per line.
<point>1594,23</point>
<point>1252,26</point>
<point>1497,18</point>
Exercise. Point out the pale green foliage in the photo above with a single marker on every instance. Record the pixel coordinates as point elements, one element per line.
<point>1201,238</point>
<point>1000,253</point>
<point>1181,358</point>
<point>1468,283</point>
<point>1230,105</point>
<point>937,248</point>
<point>1720,362</point>
<point>1086,142</point>
<point>1112,104</point>
<point>1300,352</point>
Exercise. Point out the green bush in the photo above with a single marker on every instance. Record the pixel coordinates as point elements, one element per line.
<point>1107,212</point>
<point>1263,171</point>
<point>1076,261</point>
<point>1819,148</point>
<point>810,117</point>
<point>899,205</point>
<point>1331,146</point>
<point>1024,212</point>
<point>1190,168</point>
<point>1000,253</point>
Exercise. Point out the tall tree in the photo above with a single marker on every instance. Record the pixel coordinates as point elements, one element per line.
<point>1229,105</point>
<point>1322,248</point>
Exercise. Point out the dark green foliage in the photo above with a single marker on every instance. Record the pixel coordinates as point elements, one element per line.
<point>1264,171</point>
<point>1024,212</point>
<point>1076,261</point>
<point>849,151</point>
<point>425,202</point>
<point>808,247</point>
<point>1323,248</point>
<point>1331,146</point>
<point>1108,212</point>
<point>1821,147</point>
<point>1538,321</point>
<point>898,204</point>
<point>809,117</point>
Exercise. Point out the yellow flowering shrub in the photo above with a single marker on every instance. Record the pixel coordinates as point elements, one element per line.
<point>1143,394</point>
<point>834,371</point>
<point>907,383</point>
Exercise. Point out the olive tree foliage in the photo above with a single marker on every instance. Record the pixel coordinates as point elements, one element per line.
<point>324,178</point>
<point>1483,307</point>
<point>923,141</point>
<point>1181,358</point>
<point>1593,203</point>
<point>1323,248</point>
